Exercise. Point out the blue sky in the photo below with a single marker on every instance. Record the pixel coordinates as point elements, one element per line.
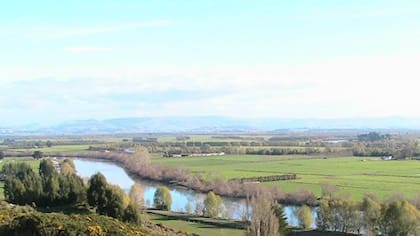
<point>64,60</point>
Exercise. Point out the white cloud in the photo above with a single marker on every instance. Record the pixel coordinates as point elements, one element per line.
<point>385,86</point>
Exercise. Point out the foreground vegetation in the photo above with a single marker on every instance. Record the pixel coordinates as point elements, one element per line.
<point>27,221</point>
<point>94,209</point>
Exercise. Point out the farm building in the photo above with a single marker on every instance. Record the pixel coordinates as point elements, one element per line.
<point>386,158</point>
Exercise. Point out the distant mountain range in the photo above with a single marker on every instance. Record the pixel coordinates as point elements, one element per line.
<point>209,124</point>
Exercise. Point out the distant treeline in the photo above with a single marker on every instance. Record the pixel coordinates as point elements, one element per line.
<point>238,137</point>
<point>399,149</point>
<point>373,137</point>
<point>20,144</point>
<point>239,143</point>
<point>283,151</point>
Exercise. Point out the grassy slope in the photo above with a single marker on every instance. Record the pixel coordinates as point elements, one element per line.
<point>191,227</point>
<point>353,175</point>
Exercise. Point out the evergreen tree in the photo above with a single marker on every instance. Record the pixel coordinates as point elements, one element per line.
<point>282,219</point>
<point>96,193</point>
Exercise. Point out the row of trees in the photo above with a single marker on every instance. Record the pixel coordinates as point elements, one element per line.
<point>404,148</point>
<point>50,188</point>
<point>211,207</point>
<point>284,151</point>
<point>46,187</point>
<point>394,217</point>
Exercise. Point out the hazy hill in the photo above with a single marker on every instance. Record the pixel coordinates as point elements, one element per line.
<point>208,124</point>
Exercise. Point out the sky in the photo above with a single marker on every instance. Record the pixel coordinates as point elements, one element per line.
<point>72,60</point>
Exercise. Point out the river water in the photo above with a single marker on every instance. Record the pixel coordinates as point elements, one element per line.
<point>116,175</point>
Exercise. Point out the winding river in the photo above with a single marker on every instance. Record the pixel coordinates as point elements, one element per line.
<point>114,174</point>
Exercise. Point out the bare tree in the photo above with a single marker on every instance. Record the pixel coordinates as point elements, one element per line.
<point>263,222</point>
<point>328,190</point>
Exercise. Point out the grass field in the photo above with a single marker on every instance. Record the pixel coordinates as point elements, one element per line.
<point>198,228</point>
<point>58,148</point>
<point>353,175</point>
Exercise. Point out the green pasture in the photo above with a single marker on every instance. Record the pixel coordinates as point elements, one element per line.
<point>58,148</point>
<point>353,175</point>
<point>32,162</point>
<point>198,228</point>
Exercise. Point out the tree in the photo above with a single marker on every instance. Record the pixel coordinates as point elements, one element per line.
<point>400,218</point>
<point>96,193</point>
<point>109,200</point>
<point>324,215</point>
<point>162,199</point>
<point>1,155</point>
<point>115,202</point>
<point>136,196</point>
<point>328,190</point>
<point>72,188</point>
<point>305,217</point>
<point>131,214</point>
<point>49,143</point>
<point>199,207</point>
<point>371,215</point>
<point>263,222</point>
<point>37,155</point>
<point>22,185</point>
<point>284,229</point>
<point>213,205</point>
<point>67,167</point>
<point>188,207</point>
<point>47,169</point>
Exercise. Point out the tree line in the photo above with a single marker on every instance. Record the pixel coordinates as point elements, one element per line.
<point>391,217</point>
<point>399,149</point>
<point>53,186</point>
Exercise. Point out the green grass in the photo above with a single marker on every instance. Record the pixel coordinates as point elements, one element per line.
<point>32,162</point>
<point>58,148</point>
<point>352,175</point>
<point>198,228</point>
